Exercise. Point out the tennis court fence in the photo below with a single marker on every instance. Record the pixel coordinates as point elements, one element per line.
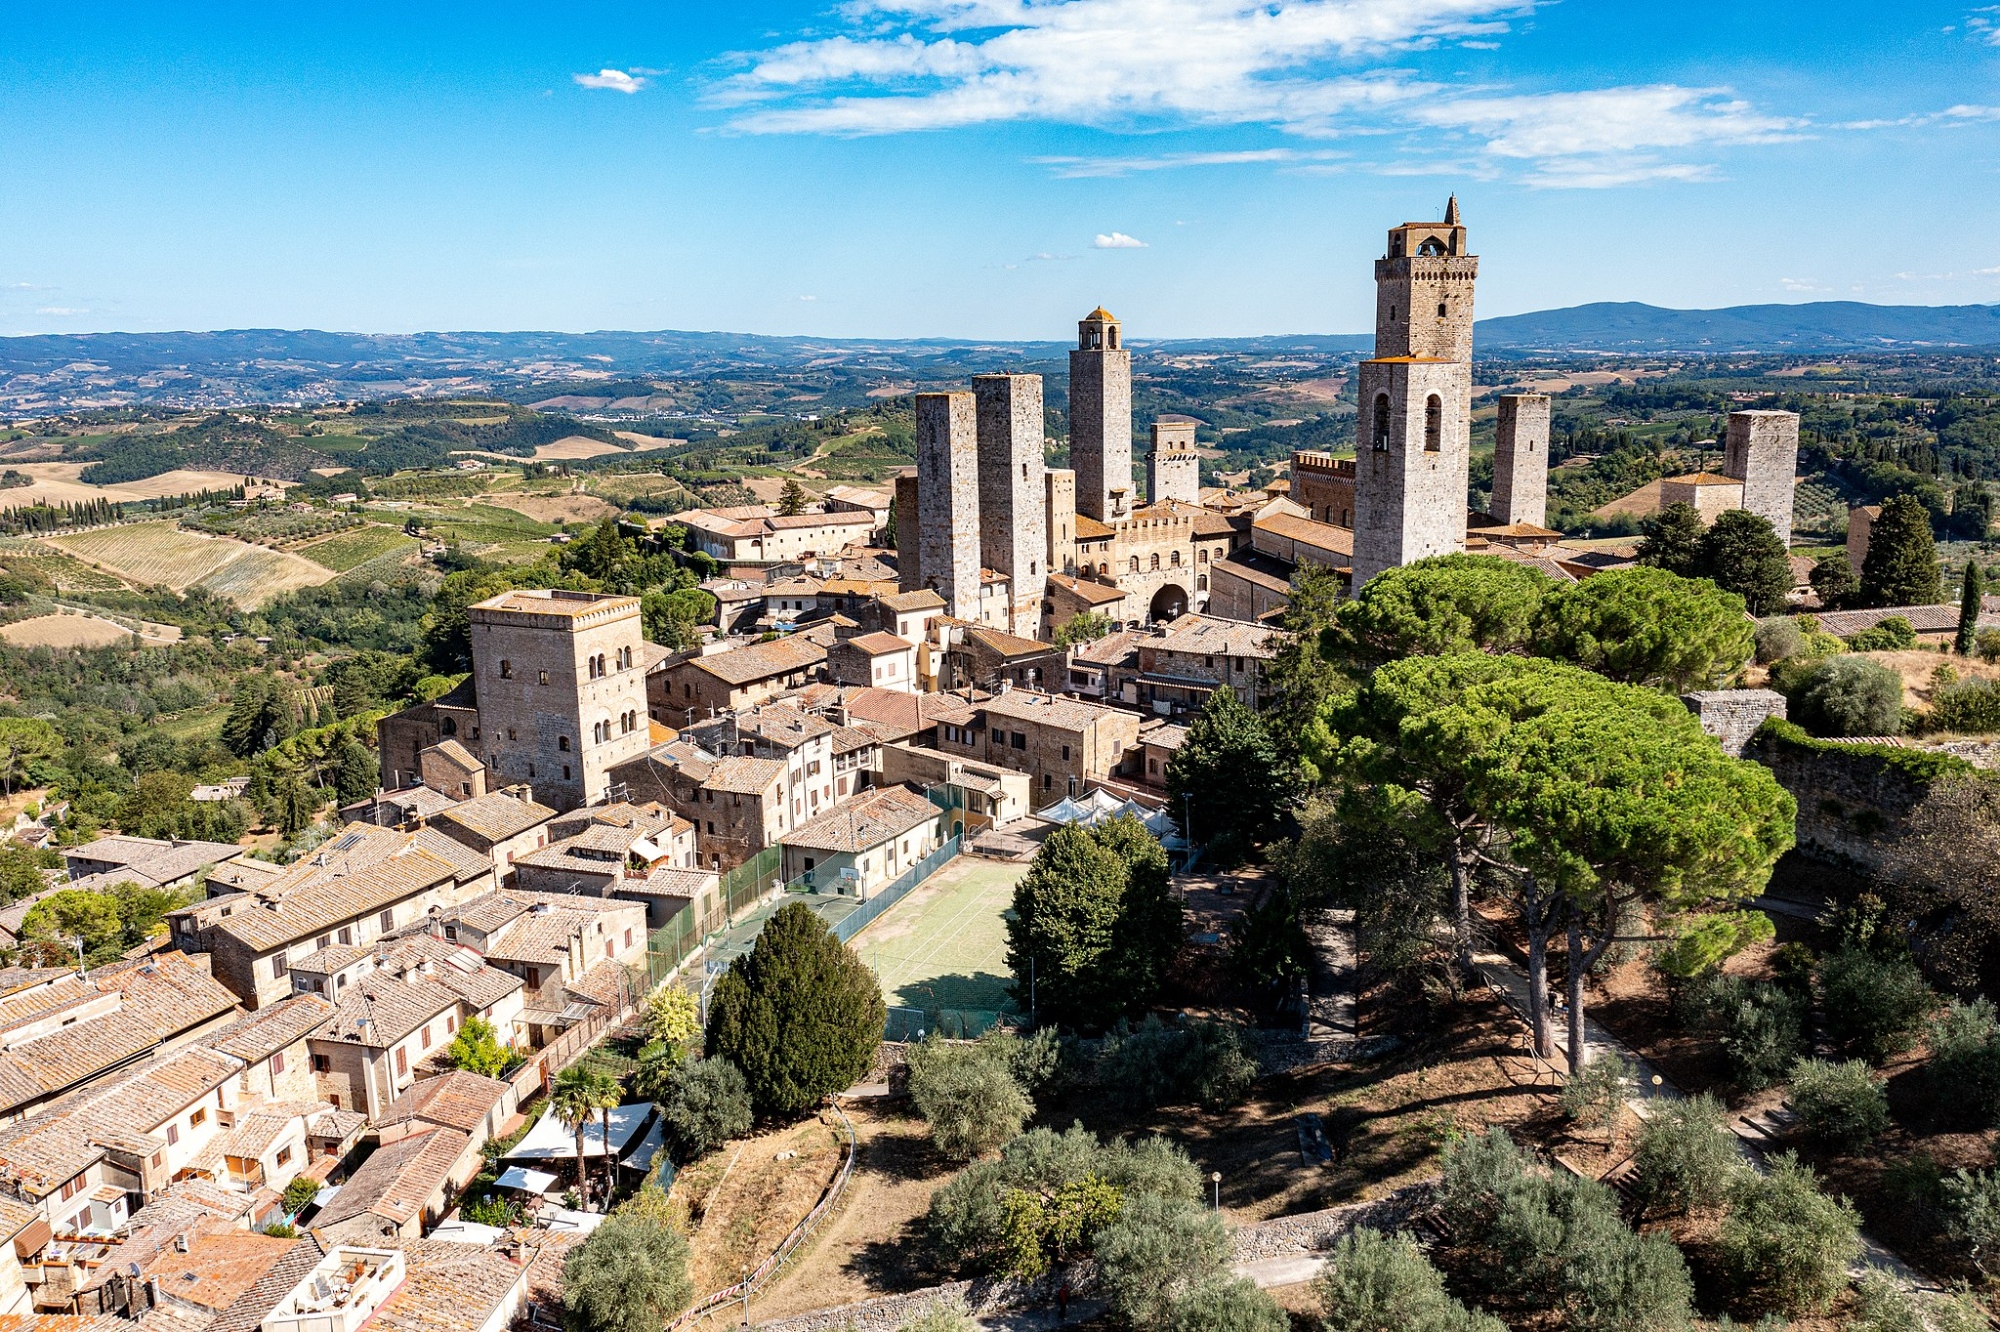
<point>913,1024</point>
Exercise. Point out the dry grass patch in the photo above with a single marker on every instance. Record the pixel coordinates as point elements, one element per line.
<point>80,631</point>
<point>768,1184</point>
<point>570,508</point>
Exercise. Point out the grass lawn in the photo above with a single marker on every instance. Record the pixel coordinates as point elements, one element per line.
<point>945,945</point>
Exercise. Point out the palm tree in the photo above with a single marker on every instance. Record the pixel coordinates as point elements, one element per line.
<point>608,1095</point>
<point>574,1100</point>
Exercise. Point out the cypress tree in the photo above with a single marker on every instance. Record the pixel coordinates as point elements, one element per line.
<point>1972,596</point>
<point>1901,568</point>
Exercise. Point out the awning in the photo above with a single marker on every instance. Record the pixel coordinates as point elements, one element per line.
<point>641,1157</point>
<point>520,1177</point>
<point>562,1220</point>
<point>467,1232</point>
<point>552,1140</point>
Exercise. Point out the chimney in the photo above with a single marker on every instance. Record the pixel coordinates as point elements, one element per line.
<point>181,1242</point>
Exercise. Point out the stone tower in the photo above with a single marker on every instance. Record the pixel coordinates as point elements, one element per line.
<point>561,682</point>
<point>948,499</point>
<point>1012,493</point>
<point>909,551</point>
<point>1521,459</point>
<point>1762,452</point>
<point>1060,507</point>
<point>1100,417</point>
<point>1414,436</point>
<point>1173,469</point>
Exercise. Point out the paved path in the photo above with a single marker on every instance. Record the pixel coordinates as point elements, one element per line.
<point>1289,1270</point>
<point>1511,982</point>
<point>1331,1013</point>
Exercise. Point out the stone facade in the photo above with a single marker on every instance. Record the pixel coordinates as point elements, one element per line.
<point>1173,468</point>
<point>402,737</point>
<point>948,500</point>
<point>1706,493</point>
<point>1762,452</point>
<point>909,546</point>
<point>561,680</point>
<point>1416,400</point>
<point>1059,519</point>
<point>1324,486</point>
<point>1852,798</point>
<point>1062,744</point>
<point>1732,716</point>
<point>1012,492</point>
<point>1100,417</point>
<point>1860,522</point>
<point>1521,459</point>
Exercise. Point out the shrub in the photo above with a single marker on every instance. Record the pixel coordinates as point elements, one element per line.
<point>1874,1006</point>
<point>1971,707</point>
<point>1373,1281</point>
<point>1841,1106</point>
<point>1987,645</point>
<point>1154,1064</point>
<point>1593,1097</point>
<point>1042,1230</point>
<point>1759,1025</point>
<point>1847,696</point>
<point>1883,1305</point>
<point>1777,638</point>
<point>1971,1205</point>
<point>1157,1251</point>
<point>1686,1155</point>
<point>946,1315</point>
<point>672,1017</point>
<point>799,1013</point>
<point>1892,633</point>
<point>631,1275</point>
<point>971,1100</point>
<point>1228,1304</point>
<point>706,1103</point>
<point>1786,1242</point>
<point>1964,1068</point>
<point>299,1195</point>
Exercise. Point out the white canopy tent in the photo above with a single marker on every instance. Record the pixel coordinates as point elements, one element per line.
<point>520,1177</point>
<point>552,1140</point>
<point>1094,808</point>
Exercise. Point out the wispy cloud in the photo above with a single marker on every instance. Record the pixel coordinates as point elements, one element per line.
<point>1046,258</point>
<point>612,80</point>
<point>1984,24</point>
<point>1118,240</point>
<point>60,310</point>
<point>1802,284</point>
<point>1074,168</point>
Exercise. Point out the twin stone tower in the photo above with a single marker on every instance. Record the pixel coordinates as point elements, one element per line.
<point>988,512</point>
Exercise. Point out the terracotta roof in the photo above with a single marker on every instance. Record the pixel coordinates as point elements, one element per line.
<point>1008,645</point>
<point>313,897</point>
<point>555,601</point>
<point>1923,619</point>
<point>263,1033</point>
<point>920,600</point>
<point>866,821</point>
<point>458,754</point>
<point>378,1010</point>
<point>449,1287</point>
<point>880,644</point>
<point>1089,529</point>
<point>1305,531</point>
<point>1209,635</point>
<point>1237,566</point>
<point>761,661</point>
<point>1067,714</point>
<point>1095,593</point>
<point>457,1100</point>
<point>466,863</point>
<point>744,776</point>
<point>1110,649</point>
<point>398,1179</point>
<point>494,816</point>
<point>251,1308</point>
<point>334,957</point>
<point>163,861</point>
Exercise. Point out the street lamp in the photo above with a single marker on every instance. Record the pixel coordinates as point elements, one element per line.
<point>1216,1180</point>
<point>746,1295</point>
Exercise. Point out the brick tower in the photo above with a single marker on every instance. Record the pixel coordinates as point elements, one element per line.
<point>948,500</point>
<point>1762,452</point>
<point>1012,492</point>
<point>1173,469</point>
<point>1521,459</point>
<point>1414,435</point>
<point>1100,417</point>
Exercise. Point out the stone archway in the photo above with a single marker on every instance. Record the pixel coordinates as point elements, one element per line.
<point>1170,602</point>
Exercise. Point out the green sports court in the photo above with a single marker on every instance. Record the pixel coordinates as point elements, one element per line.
<point>945,946</point>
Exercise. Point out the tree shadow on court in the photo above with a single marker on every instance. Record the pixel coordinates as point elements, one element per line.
<point>982,991</point>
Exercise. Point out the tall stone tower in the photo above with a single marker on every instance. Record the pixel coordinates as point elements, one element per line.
<point>1173,469</point>
<point>909,552</point>
<point>561,682</point>
<point>1060,506</point>
<point>1012,493</point>
<point>1521,459</point>
<point>948,499</point>
<point>1100,417</point>
<point>1414,437</point>
<point>1762,452</point>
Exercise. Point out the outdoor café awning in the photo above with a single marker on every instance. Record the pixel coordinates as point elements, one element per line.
<point>552,1140</point>
<point>520,1177</point>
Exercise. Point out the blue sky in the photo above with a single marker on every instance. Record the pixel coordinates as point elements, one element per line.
<point>977,168</point>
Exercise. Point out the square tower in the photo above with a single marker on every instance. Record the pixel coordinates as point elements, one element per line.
<point>1521,459</point>
<point>1414,436</point>
<point>1059,504</point>
<point>1762,452</point>
<point>1012,533</point>
<point>909,553</point>
<point>948,500</point>
<point>1173,468</point>
<point>561,683</point>
<point>1100,417</point>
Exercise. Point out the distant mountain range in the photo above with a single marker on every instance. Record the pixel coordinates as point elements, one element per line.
<point>57,372</point>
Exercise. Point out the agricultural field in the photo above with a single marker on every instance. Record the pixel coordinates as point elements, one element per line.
<point>346,550</point>
<point>164,555</point>
<point>36,563</point>
<point>66,631</point>
<point>489,532</point>
<point>565,508</point>
<point>56,483</point>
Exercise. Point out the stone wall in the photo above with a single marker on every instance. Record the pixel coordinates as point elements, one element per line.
<point>1316,1232</point>
<point>1852,798</point>
<point>1100,420</point>
<point>948,499</point>
<point>1762,452</point>
<point>1012,498</point>
<point>1733,715</point>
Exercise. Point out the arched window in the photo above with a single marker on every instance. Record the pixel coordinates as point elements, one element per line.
<point>562,743</point>
<point>1105,569</point>
<point>1433,424</point>
<point>1156,561</point>
<point>1175,559</point>
<point>1201,583</point>
<point>1201,557</point>
<point>1379,437</point>
<point>1441,309</point>
<point>1135,564</point>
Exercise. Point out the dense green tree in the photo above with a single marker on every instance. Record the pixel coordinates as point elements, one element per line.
<point>1741,553</point>
<point>1444,604</point>
<point>1971,604</point>
<point>260,716</point>
<point>1087,627</point>
<point>1845,696</point>
<point>1834,580</point>
<point>1672,540</point>
<point>1268,947</point>
<point>1841,1106</point>
<point>1373,1282</point>
<point>1686,1155</point>
<point>1095,924</point>
<point>1875,1001</point>
<point>26,745</point>
<point>799,1014</point>
<point>356,774</point>
<point>1228,778</point>
<point>705,1104</point>
<point>62,918</point>
<point>1901,567</point>
<point>631,1275</point>
<point>1301,676</point>
<point>672,619</point>
<point>1226,1303</point>
<point>968,1095</point>
<point>1785,1240</point>
<point>672,1017</point>
<point>792,499</point>
<point>1156,1252</point>
<point>1647,626</point>
<point>477,1049</point>
<point>1587,797</point>
<point>21,870</point>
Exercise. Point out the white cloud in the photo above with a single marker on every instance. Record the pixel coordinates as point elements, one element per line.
<point>614,80</point>
<point>1074,168</point>
<point>1984,25</point>
<point>1046,258</point>
<point>1801,284</point>
<point>1118,240</point>
<point>808,298</point>
<point>60,310</point>
<point>1608,120</point>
